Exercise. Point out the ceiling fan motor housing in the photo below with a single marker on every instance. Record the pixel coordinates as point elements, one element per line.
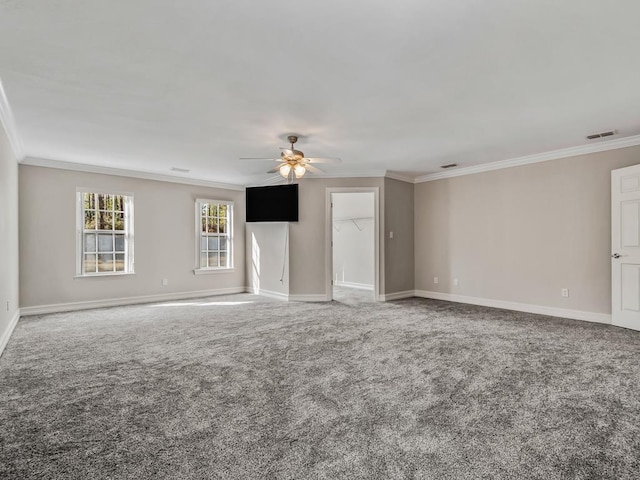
<point>292,155</point>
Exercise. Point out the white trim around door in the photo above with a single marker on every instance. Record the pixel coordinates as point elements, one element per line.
<point>328,268</point>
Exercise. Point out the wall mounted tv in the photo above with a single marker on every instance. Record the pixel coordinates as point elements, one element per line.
<point>277,203</point>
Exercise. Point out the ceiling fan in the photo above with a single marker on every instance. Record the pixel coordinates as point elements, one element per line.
<point>294,163</point>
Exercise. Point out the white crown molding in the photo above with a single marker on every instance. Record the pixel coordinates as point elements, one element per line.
<point>274,180</point>
<point>6,335</point>
<point>537,158</point>
<point>352,174</point>
<point>8,121</point>
<point>519,307</point>
<point>83,167</point>
<point>278,180</point>
<point>399,176</point>
<point>117,302</point>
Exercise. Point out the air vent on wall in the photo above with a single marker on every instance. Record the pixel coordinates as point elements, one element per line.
<point>449,165</point>
<point>181,170</point>
<point>601,135</point>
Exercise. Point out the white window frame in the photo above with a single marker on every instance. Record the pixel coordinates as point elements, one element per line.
<point>199,270</point>
<point>80,231</point>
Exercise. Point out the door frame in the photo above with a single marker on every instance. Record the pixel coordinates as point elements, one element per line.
<point>328,268</point>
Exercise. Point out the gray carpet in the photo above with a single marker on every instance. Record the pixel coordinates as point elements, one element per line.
<point>352,296</point>
<point>242,387</point>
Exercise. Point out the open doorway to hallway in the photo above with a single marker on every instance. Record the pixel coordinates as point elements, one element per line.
<point>353,246</point>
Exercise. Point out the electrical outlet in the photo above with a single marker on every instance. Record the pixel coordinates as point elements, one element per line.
<point>455,282</point>
<point>165,282</point>
<point>436,280</point>
<point>565,292</point>
<point>390,234</point>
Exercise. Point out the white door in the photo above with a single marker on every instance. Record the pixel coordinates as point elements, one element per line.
<point>625,247</point>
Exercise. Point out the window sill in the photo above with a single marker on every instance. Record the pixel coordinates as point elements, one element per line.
<point>103,275</point>
<point>208,271</point>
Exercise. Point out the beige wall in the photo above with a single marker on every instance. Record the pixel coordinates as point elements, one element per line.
<point>307,260</point>
<point>522,234</point>
<point>164,238</point>
<point>519,234</point>
<point>162,249</point>
<point>8,236</point>
<point>399,250</point>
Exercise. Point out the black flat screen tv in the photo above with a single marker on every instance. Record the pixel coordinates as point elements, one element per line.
<point>277,203</point>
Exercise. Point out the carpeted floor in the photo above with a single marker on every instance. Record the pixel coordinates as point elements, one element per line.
<point>242,387</point>
<point>352,296</point>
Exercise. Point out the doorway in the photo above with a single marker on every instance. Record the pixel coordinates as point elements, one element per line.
<point>353,264</point>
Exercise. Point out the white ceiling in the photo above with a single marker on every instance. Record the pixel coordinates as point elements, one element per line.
<point>402,86</point>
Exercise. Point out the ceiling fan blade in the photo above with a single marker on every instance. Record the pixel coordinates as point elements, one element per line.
<point>274,170</point>
<point>259,158</point>
<point>313,169</point>
<point>322,160</point>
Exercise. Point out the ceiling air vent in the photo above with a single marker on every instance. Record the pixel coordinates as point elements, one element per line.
<point>601,135</point>
<point>449,165</point>
<point>181,170</point>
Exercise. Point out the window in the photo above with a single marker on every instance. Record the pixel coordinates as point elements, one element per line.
<point>214,238</point>
<point>105,234</point>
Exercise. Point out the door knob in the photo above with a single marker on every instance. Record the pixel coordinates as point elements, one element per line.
<point>616,255</point>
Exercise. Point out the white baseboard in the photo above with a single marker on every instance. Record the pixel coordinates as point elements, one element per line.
<point>519,307</point>
<point>311,297</point>
<point>396,295</point>
<point>268,293</point>
<point>360,286</point>
<point>6,335</point>
<point>116,302</point>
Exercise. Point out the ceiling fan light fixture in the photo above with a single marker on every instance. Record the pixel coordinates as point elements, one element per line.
<point>284,170</point>
<point>299,170</point>
<point>293,163</point>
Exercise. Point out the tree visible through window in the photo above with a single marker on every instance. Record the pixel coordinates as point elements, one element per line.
<point>215,240</point>
<point>106,240</point>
